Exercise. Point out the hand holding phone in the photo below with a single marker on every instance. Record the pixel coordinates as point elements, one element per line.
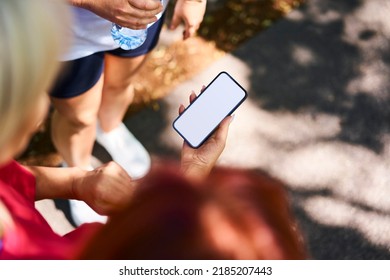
<point>218,100</point>
<point>197,163</point>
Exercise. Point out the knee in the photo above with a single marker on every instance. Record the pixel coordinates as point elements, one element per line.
<point>79,120</point>
<point>118,88</point>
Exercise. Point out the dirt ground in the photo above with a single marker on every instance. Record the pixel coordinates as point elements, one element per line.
<point>227,24</point>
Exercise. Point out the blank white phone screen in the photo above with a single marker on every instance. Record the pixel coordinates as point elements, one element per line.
<point>217,101</point>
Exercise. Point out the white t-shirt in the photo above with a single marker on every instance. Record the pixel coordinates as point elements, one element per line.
<point>89,34</point>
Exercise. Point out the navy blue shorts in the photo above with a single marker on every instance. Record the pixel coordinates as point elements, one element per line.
<point>80,75</point>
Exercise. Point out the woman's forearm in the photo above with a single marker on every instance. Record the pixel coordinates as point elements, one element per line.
<point>52,182</point>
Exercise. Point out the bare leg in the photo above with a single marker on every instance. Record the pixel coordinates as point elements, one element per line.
<point>74,125</point>
<point>112,134</point>
<point>117,89</point>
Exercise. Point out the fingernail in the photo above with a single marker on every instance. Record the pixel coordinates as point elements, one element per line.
<point>232,118</point>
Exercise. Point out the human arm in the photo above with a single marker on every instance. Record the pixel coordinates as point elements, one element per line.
<point>107,189</point>
<point>134,14</point>
<point>191,13</point>
<point>197,163</point>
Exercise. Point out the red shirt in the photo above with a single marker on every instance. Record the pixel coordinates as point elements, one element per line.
<point>30,236</point>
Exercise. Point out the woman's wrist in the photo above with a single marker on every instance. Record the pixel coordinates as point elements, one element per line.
<point>78,176</point>
<point>196,171</point>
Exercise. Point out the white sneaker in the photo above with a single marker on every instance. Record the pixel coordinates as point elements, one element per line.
<point>125,150</point>
<point>80,211</point>
<point>95,163</point>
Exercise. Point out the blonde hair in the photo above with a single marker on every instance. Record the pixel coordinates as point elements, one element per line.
<point>31,35</point>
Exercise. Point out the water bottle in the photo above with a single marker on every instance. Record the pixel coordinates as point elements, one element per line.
<point>130,39</point>
<point>126,38</point>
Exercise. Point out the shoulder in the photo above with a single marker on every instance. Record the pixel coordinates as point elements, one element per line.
<point>15,176</point>
<point>14,171</point>
<point>12,168</point>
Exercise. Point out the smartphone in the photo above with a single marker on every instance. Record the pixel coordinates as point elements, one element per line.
<point>218,100</point>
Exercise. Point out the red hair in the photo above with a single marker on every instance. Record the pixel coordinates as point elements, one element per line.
<point>235,214</point>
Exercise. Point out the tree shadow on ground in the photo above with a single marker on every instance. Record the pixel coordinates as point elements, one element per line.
<point>307,65</point>
<point>148,125</point>
<point>334,243</point>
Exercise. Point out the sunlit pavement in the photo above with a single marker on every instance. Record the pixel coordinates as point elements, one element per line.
<point>317,118</point>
